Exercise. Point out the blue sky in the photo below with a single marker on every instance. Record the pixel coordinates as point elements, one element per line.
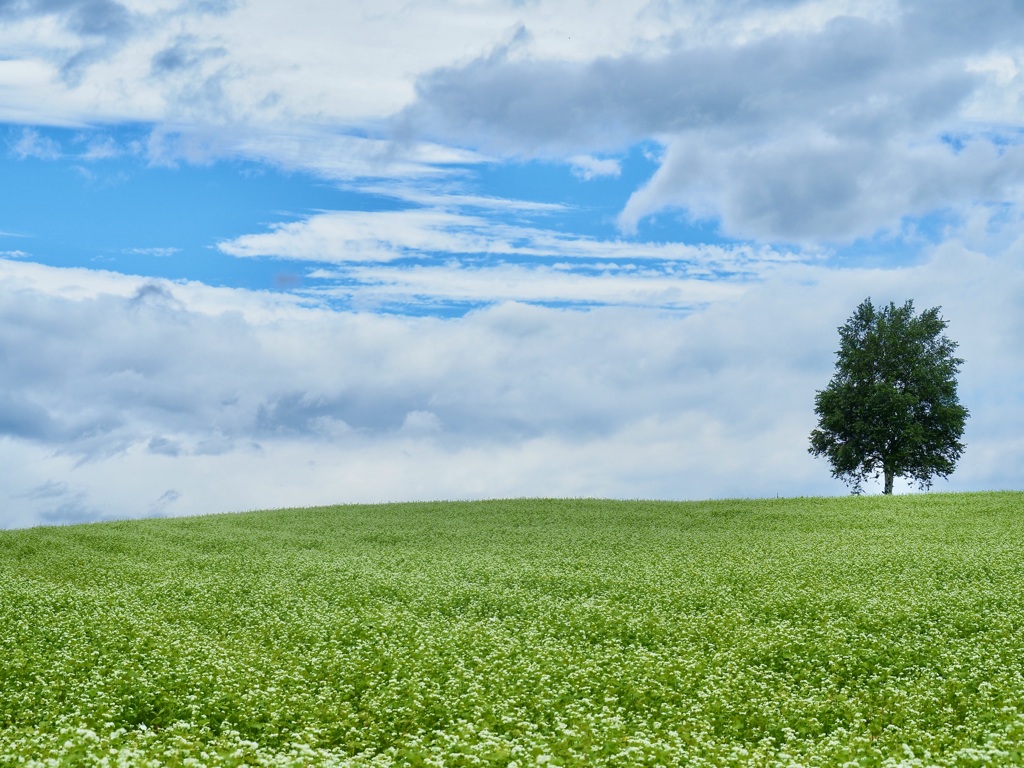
<point>117,210</point>
<point>259,255</point>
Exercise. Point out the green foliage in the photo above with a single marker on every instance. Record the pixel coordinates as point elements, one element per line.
<point>891,408</point>
<point>812,632</point>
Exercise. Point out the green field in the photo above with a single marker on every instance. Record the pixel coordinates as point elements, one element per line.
<point>857,630</point>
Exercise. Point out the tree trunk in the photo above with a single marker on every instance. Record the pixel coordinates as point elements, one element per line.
<point>888,482</point>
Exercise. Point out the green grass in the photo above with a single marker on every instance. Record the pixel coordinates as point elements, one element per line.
<point>857,631</point>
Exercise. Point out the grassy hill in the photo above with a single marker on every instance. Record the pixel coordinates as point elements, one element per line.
<point>865,631</point>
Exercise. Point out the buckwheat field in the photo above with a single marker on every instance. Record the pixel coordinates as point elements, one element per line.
<point>863,631</point>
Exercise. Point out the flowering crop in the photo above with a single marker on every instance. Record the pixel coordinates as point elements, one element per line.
<point>814,632</point>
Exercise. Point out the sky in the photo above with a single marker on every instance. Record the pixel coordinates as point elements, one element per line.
<point>257,254</point>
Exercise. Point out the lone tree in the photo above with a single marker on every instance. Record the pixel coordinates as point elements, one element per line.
<point>891,407</point>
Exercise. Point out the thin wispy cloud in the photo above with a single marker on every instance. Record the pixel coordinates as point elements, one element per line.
<point>157,251</point>
<point>30,144</point>
<point>361,236</point>
<point>559,284</point>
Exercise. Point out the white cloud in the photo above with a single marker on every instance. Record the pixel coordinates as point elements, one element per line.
<point>342,236</point>
<point>588,168</point>
<point>339,156</point>
<point>332,67</point>
<point>448,200</point>
<point>156,251</point>
<point>608,285</point>
<point>797,123</point>
<point>79,284</point>
<point>30,144</point>
<point>812,187</point>
<point>331,154</point>
<point>421,423</point>
<point>382,236</point>
<point>102,147</point>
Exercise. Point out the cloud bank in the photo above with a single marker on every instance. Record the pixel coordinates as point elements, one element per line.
<point>156,397</point>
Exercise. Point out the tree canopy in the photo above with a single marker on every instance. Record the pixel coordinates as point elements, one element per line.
<point>891,408</point>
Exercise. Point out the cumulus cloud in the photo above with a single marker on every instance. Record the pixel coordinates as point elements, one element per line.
<point>853,74</point>
<point>93,18</point>
<point>810,187</point>
<point>188,65</point>
<point>97,27</point>
<point>185,53</point>
<point>816,132</point>
<point>840,91</point>
<point>164,446</point>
